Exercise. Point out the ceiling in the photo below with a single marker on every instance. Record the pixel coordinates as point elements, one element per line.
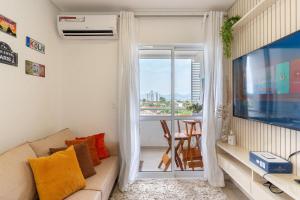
<point>117,5</point>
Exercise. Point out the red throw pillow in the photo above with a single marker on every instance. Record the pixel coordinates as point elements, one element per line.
<point>102,151</point>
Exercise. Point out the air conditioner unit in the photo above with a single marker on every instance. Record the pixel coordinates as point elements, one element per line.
<point>87,26</point>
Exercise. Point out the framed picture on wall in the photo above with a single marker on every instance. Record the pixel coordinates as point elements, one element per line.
<point>35,45</point>
<point>7,55</point>
<point>8,26</point>
<point>34,69</point>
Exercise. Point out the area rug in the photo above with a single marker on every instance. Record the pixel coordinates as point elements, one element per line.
<point>171,189</point>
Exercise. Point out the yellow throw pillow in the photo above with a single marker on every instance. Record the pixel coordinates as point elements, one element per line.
<point>57,176</point>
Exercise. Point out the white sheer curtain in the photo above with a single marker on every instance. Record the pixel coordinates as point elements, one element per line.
<point>213,98</point>
<point>128,101</point>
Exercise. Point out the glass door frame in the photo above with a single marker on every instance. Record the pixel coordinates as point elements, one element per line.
<point>173,173</point>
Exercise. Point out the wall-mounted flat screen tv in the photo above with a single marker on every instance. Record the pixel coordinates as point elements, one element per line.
<point>266,83</point>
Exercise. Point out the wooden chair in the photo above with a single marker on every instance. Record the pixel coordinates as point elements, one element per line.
<point>166,159</point>
<point>178,125</point>
<point>196,133</point>
<point>182,141</point>
<point>191,155</point>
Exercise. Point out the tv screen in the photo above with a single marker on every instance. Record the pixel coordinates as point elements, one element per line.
<point>266,83</point>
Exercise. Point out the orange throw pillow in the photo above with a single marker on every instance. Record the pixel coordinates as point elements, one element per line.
<point>100,145</point>
<point>91,142</point>
<point>57,176</point>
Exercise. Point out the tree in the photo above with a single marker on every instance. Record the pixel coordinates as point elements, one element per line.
<point>163,99</point>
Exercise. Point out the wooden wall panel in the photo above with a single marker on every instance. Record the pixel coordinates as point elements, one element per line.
<point>279,20</point>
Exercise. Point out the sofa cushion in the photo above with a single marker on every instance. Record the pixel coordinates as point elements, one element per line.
<point>91,142</point>
<point>57,176</point>
<point>83,157</point>
<point>106,175</point>
<point>41,147</point>
<point>102,150</point>
<point>85,195</point>
<point>16,180</point>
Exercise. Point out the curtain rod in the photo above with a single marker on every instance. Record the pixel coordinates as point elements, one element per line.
<point>170,14</point>
<point>145,13</point>
<point>167,13</point>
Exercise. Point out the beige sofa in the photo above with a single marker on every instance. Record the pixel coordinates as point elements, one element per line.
<point>16,179</point>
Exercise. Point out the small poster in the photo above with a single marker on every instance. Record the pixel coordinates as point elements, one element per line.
<point>8,26</point>
<point>295,77</point>
<point>283,78</point>
<point>34,69</point>
<point>35,45</point>
<point>7,56</point>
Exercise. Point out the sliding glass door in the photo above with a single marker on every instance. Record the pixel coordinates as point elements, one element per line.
<point>171,97</point>
<point>155,109</point>
<point>188,100</point>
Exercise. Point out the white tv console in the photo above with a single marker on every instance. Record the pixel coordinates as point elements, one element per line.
<point>235,162</point>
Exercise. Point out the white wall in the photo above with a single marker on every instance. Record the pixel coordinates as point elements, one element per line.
<point>29,106</point>
<point>90,86</point>
<point>170,30</point>
<point>152,134</point>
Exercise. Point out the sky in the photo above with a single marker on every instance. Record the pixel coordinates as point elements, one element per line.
<point>155,74</point>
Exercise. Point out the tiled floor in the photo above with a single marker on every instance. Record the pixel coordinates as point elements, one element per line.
<point>150,159</point>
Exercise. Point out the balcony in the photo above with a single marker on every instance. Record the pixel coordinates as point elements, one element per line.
<point>154,144</point>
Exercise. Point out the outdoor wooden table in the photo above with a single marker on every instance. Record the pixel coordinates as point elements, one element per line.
<point>183,136</point>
